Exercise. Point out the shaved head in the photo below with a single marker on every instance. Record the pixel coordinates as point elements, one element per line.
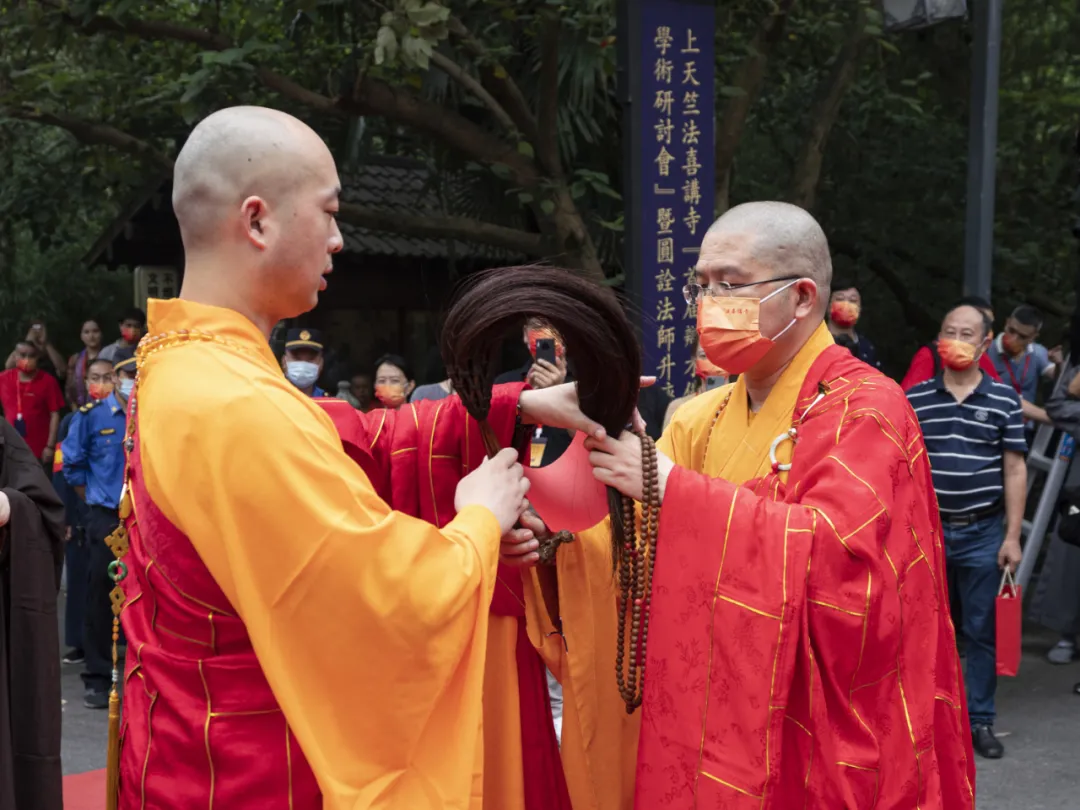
<point>776,253</point>
<point>256,192</point>
<point>234,154</point>
<point>782,236</point>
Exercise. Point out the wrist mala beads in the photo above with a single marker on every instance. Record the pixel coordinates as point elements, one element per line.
<point>634,568</point>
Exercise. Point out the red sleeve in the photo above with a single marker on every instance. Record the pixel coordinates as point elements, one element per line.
<point>920,370</point>
<point>53,394</point>
<point>415,456</point>
<point>5,389</point>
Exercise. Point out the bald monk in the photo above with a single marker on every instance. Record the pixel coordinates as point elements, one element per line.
<point>293,643</point>
<point>800,652</point>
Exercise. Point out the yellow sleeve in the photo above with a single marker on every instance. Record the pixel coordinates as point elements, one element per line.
<point>370,625</point>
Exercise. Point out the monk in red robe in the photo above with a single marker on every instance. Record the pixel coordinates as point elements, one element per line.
<point>800,651</point>
<point>293,642</point>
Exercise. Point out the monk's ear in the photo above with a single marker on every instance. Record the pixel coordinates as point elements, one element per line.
<point>807,293</point>
<point>254,213</point>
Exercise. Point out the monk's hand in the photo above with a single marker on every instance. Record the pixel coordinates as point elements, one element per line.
<point>499,485</point>
<point>1009,555</point>
<point>617,463</point>
<point>558,407</point>
<point>5,509</point>
<point>521,546</point>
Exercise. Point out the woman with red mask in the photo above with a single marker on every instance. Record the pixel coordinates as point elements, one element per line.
<point>845,307</point>
<point>79,364</point>
<point>393,382</point>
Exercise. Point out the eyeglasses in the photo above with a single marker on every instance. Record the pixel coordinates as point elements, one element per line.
<point>695,292</point>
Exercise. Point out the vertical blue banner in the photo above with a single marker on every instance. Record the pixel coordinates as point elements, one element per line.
<point>672,178</point>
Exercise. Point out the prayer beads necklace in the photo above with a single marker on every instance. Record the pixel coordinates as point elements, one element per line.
<point>715,419</point>
<point>635,564</point>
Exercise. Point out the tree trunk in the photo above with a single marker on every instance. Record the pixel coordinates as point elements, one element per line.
<point>749,79</point>
<point>915,314</point>
<point>565,224</point>
<point>568,228</point>
<point>7,223</point>
<point>825,111</point>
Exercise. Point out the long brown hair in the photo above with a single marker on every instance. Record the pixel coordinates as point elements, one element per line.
<point>598,336</point>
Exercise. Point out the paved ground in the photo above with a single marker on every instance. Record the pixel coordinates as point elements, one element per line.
<point>1039,721</point>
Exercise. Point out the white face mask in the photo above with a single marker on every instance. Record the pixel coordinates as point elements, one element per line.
<point>126,387</point>
<point>301,373</point>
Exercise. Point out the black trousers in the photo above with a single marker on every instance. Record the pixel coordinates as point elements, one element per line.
<point>97,618</point>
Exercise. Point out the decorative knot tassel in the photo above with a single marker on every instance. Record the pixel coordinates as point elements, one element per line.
<point>112,766</point>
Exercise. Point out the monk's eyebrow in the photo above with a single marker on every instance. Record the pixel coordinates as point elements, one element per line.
<point>333,194</point>
<point>731,272</point>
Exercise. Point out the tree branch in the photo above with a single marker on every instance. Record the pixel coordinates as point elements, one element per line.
<point>436,227</point>
<point>93,133</point>
<point>749,78</point>
<point>376,97</point>
<point>547,138</point>
<point>825,111</point>
<point>462,77</point>
<point>369,97</point>
<point>376,219</point>
<point>497,79</point>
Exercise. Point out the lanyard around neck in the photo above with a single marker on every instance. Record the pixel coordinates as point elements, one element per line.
<point>1018,385</point>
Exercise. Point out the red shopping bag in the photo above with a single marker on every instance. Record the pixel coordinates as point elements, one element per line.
<point>1009,616</point>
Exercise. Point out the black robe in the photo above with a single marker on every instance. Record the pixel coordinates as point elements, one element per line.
<point>31,556</point>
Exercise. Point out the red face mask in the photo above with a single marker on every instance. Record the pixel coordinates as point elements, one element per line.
<point>1011,344</point>
<point>99,390</point>
<point>391,396</point>
<point>26,364</point>
<point>844,314</point>
<point>130,333</point>
<point>956,354</point>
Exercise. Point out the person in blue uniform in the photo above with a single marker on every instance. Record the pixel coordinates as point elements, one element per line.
<point>303,360</point>
<point>94,466</point>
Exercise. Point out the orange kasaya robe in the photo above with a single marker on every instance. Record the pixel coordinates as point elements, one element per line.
<point>293,643</point>
<point>800,650</point>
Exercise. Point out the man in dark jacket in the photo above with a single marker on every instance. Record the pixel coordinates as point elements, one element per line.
<point>31,556</point>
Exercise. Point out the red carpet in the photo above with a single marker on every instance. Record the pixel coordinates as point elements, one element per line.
<point>85,791</point>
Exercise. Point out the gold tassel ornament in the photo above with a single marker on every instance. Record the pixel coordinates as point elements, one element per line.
<point>118,544</point>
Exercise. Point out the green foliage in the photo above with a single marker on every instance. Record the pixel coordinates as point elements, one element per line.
<point>890,192</point>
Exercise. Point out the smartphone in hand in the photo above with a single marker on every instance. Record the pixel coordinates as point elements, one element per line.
<point>714,382</point>
<point>545,350</point>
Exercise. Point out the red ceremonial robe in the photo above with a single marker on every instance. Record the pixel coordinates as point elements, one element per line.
<point>189,650</point>
<point>801,653</point>
<point>395,478</point>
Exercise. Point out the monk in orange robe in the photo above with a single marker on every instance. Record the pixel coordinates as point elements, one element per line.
<point>293,643</point>
<point>800,651</point>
